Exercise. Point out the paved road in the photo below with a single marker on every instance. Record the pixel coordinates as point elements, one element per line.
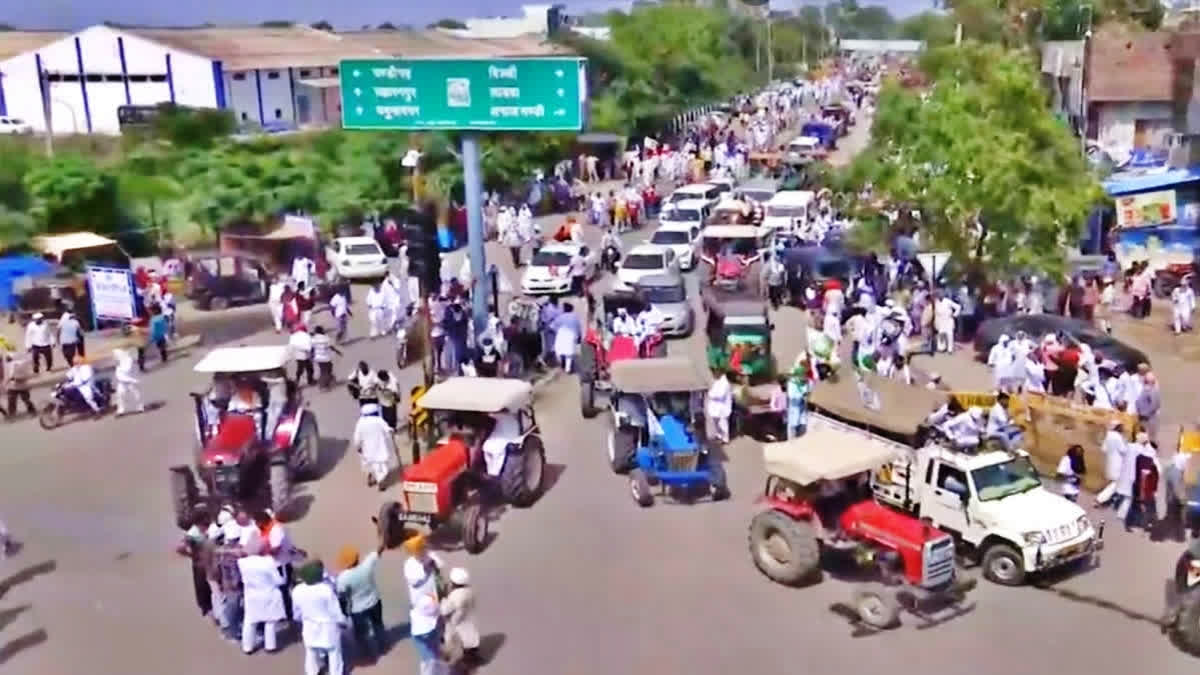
<point>584,582</point>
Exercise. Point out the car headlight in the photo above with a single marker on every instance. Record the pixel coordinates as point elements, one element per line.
<point>1034,538</point>
<point>1083,524</point>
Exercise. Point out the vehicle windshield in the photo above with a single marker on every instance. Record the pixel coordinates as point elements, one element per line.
<point>758,195</point>
<point>786,211</point>
<point>680,195</point>
<point>550,259</point>
<point>833,269</point>
<point>667,237</point>
<point>363,249</point>
<point>643,261</point>
<point>664,294</point>
<point>1005,479</point>
<point>682,216</point>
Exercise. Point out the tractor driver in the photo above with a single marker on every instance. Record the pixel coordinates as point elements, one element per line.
<point>246,400</point>
<point>832,499</point>
<point>505,431</point>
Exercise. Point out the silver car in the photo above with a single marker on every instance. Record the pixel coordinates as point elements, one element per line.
<point>667,293</point>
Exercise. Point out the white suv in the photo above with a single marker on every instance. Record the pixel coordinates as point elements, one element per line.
<point>681,237</point>
<point>14,125</point>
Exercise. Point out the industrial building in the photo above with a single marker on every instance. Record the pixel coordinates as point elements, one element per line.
<point>286,77</point>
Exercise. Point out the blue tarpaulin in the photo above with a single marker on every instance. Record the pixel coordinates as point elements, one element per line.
<point>15,267</point>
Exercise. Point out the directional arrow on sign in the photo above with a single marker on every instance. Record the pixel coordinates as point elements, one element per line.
<point>560,113</point>
<point>359,110</point>
<point>561,92</point>
<point>355,73</point>
<point>558,73</point>
<point>357,91</point>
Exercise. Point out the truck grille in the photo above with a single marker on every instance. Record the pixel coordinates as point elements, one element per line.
<point>938,563</point>
<point>682,461</point>
<point>421,502</point>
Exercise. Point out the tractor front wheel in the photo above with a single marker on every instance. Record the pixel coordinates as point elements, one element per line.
<point>877,606</point>
<point>639,488</point>
<point>524,469</point>
<point>474,528</point>
<point>622,448</point>
<point>306,450</point>
<point>279,487</point>
<point>784,549</point>
<point>184,495</point>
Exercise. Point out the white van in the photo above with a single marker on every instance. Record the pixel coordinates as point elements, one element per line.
<point>706,192</point>
<point>788,211</point>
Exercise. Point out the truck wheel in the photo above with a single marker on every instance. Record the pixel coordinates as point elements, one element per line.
<point>306,450</point>
<point>622,449</point>
<point>639,487</point>
<point>1004,565</point>
<point>184,495</point>
<point>279,486</point>
<point>475,528</point>
<point>587,380</point>
<point>877,606</point>
<point>718,484</point>
<point>218,303</point>
<point>784,549</point>
<point>523,471</point>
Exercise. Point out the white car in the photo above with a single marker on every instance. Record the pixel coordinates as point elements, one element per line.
<point>705,192</point>
<point>643,261</point>
<point>357,258</point>
<point>683,238</point>
<point>549,272</point>
<point>14,125</point>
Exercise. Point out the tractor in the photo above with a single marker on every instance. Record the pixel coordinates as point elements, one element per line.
<point>732,255</point>
<point>818,505</point>
<point>657,429</point>
<point>602,347</point>
<point>489,450</point>
<point>738,331</point>
<point>247,455</point>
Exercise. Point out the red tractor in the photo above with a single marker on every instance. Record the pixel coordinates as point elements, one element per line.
<point>732,255</point>
<point>249,451</point>
<point>818,501</point>
<point>602,346</point>
<point>489,450</point>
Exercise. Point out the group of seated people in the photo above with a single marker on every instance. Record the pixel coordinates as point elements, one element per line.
<point>261,395</point>
<point>968,428</point>
<point>639,327</point>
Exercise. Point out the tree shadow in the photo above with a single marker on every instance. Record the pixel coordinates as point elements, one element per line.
<point>20,644</point>
<point>27,574</point>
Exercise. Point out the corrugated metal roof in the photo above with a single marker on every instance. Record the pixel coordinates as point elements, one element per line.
<point>438,44</point>
<point>17,42</point>
<point>1129,67</point>
<point>244,48</point>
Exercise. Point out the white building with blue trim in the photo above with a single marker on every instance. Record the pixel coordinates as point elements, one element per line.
<point>283,76</point>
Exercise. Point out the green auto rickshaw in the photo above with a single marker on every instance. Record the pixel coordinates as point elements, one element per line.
<point>739,336</point>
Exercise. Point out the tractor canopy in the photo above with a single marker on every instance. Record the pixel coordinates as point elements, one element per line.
<point>478,394</point>
<point>665,375</point>
<point>825,453</point>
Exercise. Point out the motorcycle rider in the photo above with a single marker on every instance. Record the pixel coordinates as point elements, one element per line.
<point>610,250</point>
<point>80,378</point>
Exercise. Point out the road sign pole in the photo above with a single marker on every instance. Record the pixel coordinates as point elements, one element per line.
<point>473,184</point>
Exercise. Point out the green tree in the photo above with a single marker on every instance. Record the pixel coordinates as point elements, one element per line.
<point>323,25</point>
<point>69,193</point>
<point>999,182</point>
<point>935,29</point>
<point>450,24</point>
<point>188,127</point>
<point>16,228</point>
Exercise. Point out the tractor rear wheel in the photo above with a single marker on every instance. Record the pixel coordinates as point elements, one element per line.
<point>1185,630</point>
<point>279,488</point>
<point>587,380</point>
<point>474,528</point>
<point>784,549</point>
<point>639,487</point>
<point>622,448</point>
<point>523,473</point>
<point>306,449</point>
<point>184,495</point>
<point>877,606</point>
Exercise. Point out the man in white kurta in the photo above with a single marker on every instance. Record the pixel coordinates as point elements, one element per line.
<point>719,406</point>
<point>302,269</point>
<point>316,608</point>
<point>128,389</point>
<point>391,304</point>
<point>945,311</point>
<point>263,599</point>
<point>374,443</point>
<point>375,309</point>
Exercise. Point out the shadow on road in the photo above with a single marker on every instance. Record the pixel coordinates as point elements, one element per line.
<point>1073,596</point>
<point>330,452</point>
<point>228,326</point>
<point>20,644</point>
<point>489,646</point>
<point>26,575</point>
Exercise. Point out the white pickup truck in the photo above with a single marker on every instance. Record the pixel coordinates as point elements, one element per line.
<point>996,507</point>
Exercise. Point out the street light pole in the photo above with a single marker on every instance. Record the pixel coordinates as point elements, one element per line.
<point>473,186</point>
<point>44,86</point>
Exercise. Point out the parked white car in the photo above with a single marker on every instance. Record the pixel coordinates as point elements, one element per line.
<point>14,125</point>
<point>643,261</point>
<point>705,192</point>
<point>357,258</point>
<point>549,272</point>
<point>683,238</point>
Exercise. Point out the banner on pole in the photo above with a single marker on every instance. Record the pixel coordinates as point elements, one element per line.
<point>112,293</point>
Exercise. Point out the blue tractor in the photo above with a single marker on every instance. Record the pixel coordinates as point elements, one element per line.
<point>657,434</point>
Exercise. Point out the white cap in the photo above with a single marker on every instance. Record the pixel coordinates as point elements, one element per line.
<point>369,409</point>
<point>424,615</point>
<point>459,577</point>
<point>37,315</point>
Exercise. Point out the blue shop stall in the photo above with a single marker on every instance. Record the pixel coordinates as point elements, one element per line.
<point>1155,217</point>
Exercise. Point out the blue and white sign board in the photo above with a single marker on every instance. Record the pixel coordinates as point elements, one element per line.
<point>113,293</point>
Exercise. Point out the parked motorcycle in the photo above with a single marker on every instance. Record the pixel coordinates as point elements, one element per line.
<point>66,400</point>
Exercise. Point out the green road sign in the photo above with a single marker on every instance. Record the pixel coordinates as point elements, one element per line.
<point>531,94</point>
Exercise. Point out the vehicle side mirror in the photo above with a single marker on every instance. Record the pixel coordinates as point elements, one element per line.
<point>954,485</point>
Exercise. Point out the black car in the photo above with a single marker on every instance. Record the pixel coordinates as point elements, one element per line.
<point>1036,325</point>
<point>218,282</point>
